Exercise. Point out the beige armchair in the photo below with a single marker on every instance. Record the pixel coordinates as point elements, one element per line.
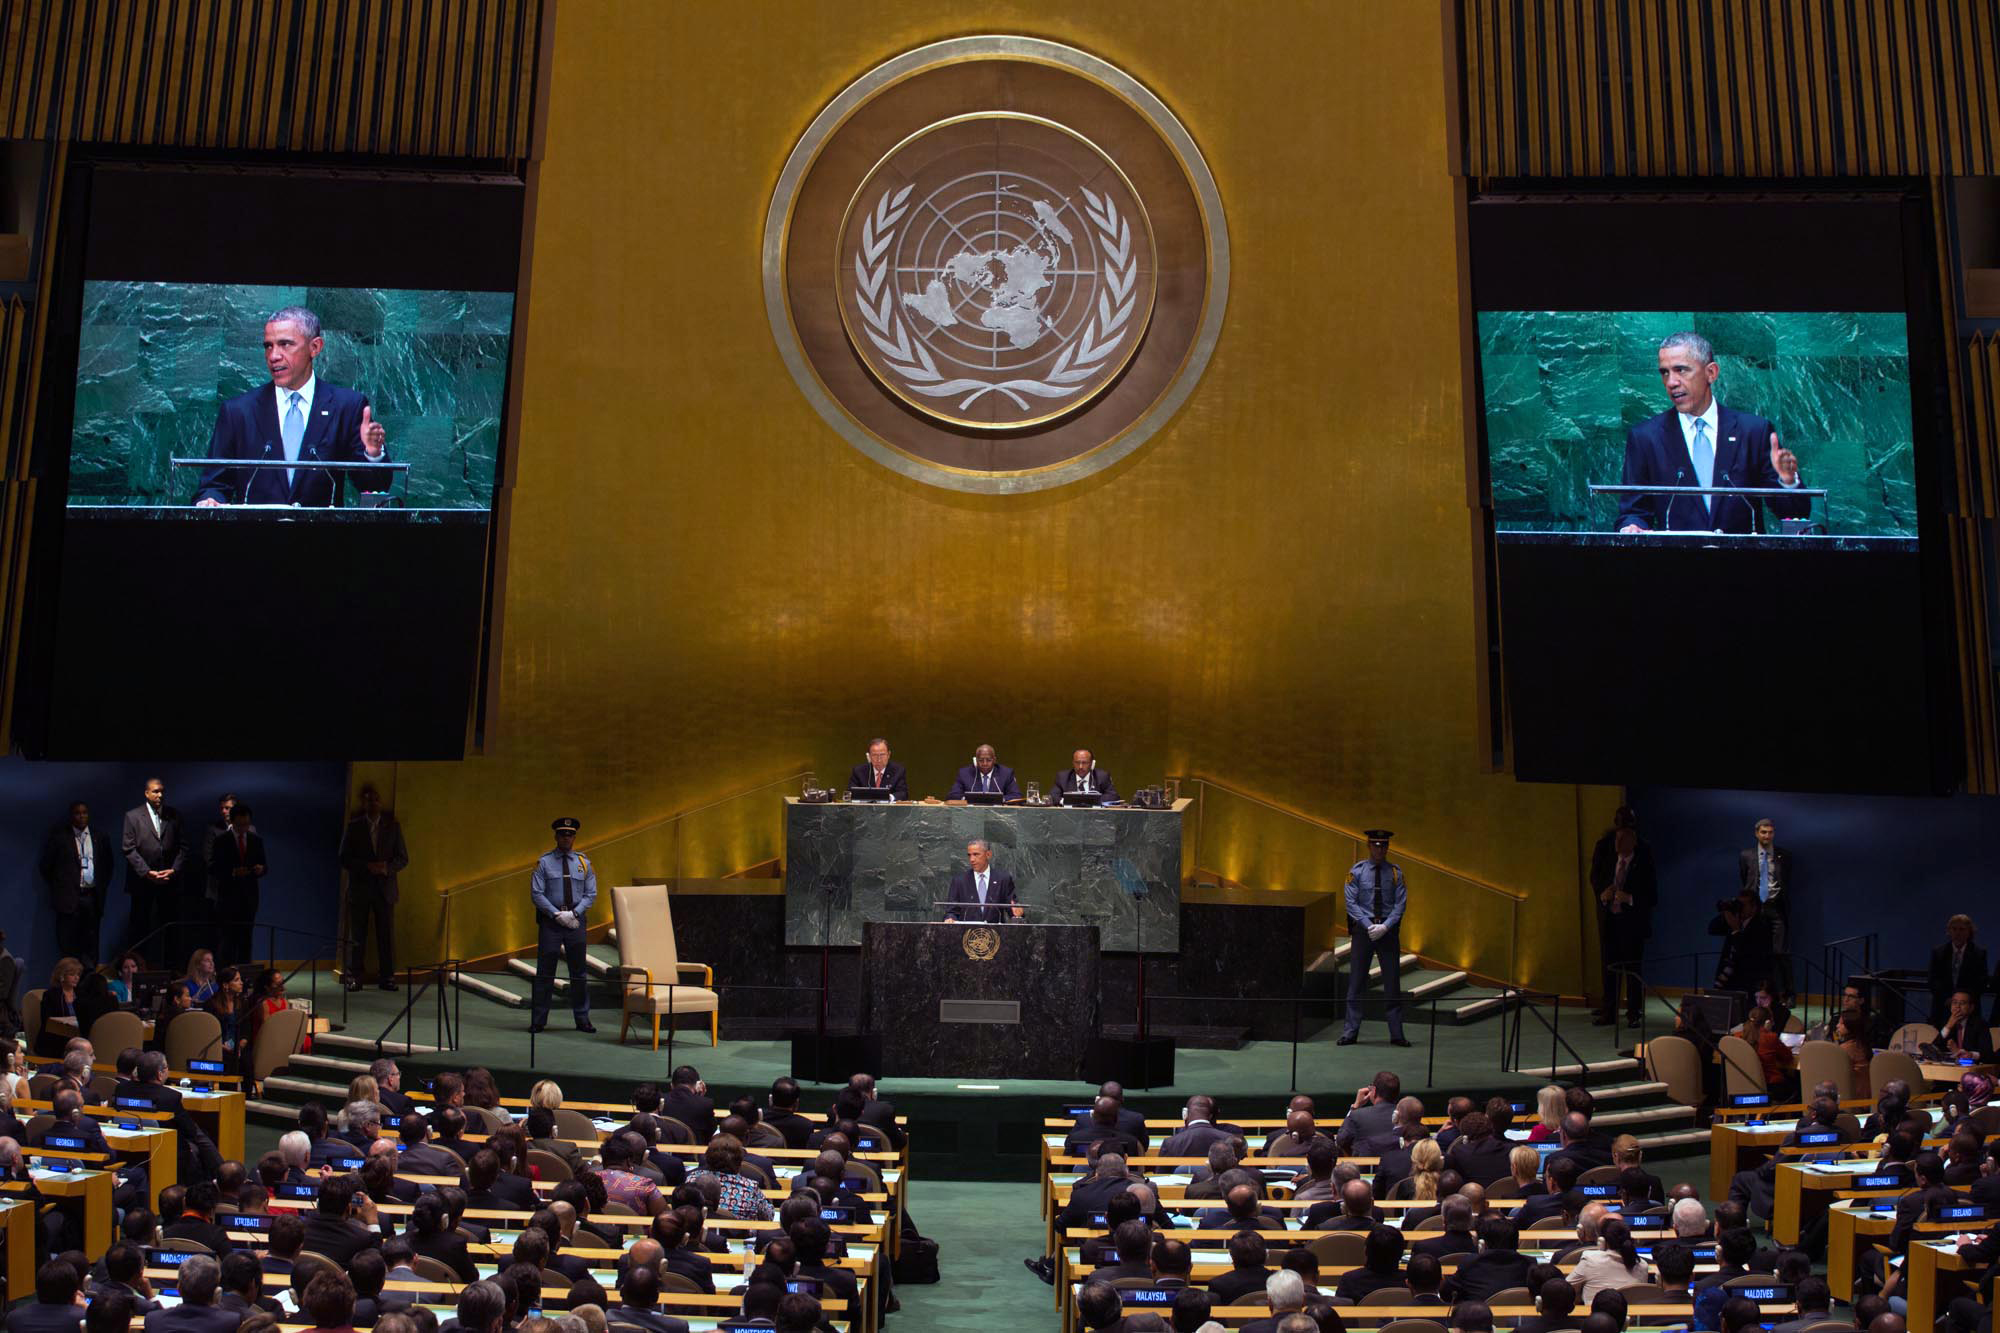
<point>651,965</point>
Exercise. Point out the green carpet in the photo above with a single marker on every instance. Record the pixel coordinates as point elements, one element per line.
<point>983,1232</point>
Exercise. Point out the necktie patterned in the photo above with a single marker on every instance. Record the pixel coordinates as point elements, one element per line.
<point>1704,461</point>
<point>1381,903</point>
<point>295,434</point>
<point>569,894</point>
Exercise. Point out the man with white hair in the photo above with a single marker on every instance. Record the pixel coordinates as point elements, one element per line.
<point>1690,1219</point>
<point>1286,1291</point>
<point>389,1088</point>
<point>296,1149</point>
<point>363,1122</point>
<point>198,1281</point>
<point>1697,442</point>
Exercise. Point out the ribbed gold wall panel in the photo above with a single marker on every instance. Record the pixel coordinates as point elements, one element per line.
<point>445,78</point>
<point>1729,87</point>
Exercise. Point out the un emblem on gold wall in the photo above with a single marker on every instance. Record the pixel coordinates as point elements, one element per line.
<point>996,264</point>
<point>982,944</point>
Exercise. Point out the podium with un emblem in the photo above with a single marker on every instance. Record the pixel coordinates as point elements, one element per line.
<point>950,999</point>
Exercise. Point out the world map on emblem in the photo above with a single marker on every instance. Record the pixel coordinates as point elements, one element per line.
<point>997,271</point>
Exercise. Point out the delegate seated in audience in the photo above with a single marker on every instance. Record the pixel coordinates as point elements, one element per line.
<point>1357,1210</point>
<point>1478,1153</point>
<point>1198,1131</point>
<point>197,1220</point>
<point>740,1196</point>
<point>1777,1067</point>
<point>1381,1266</point>
<point>1396,1164</point>
<point>1101,1127</point>
<point>1629,1156</point>
<point>1756,1188</point>
<point>1248,1270</point>
<point>1498,1265</point>
<point>125,1276</point>
<point>1369,1127</point>
<point>198,1280</point>
<point>1555,1306</point>
<point>243,1288</point>
<point>1287,1295</point>
<point>1613,1265</point>
<point>1456,1238</point>
<point>1964,1031</point>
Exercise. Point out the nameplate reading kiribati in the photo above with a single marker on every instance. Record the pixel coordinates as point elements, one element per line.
<point>996,263</point>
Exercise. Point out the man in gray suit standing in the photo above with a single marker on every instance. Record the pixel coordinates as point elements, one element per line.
<point>155,854</point>
<point>373,854</point>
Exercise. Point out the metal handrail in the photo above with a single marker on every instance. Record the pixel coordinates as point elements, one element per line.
<point>1607,488</point>
<point>648,827</point>
<point>1349,834</point>
<point>1523,998</point>
<point>306,464</point>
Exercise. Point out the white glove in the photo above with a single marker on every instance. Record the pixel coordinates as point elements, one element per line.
<point>1376,932</point>
<point>568,920</point>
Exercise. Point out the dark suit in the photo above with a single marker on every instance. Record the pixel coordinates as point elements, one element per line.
<point>692,1109</point>
<point>1090,1132</point>
<point>1447,1242</point>
<point>1485,1273</point>
<point>894,777</point>
<point>1593,1149</point>
<point>1544,1207</point>
<point>649,1319</point>
<point>1975,1039</point>
<point>1230,1288</point>
<point>880,1116</point>
<point>1483,1162</point>
<point>237,903</point>
<point>1000,779</point>
<point>341,1238</point>
<point>79,910</point>
<point>1100,782</point>
<point>370,895</point>
<point>1089,1197</point>
<point>1621,935</point>
<point>1373,1124</point>
<point>1914,1207</point>
<point>1394,1168</point>
<point>36,1317</point>
<point>1970,975</point>
<point>248,429</point>
<point>1777,912</point>
<point>1193,1140</point>
<point>153,901</point>
<point>1656,454</point>
<point>999,894</point>
<point>795,1127</point>
<point>85,1129</point>
<point>448,1248</point>
<point>199,1159</point>
<point>204,1233</point>
<point>192,1319</point>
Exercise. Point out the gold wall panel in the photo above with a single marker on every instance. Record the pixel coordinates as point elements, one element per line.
<point>1729,87</point>
<point>704,583</point>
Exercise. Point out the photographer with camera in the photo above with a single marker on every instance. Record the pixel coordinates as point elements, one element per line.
<point>1746,940</point>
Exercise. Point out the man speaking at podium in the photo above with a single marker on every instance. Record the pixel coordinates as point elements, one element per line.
<point>297,416</point>
<point>1699,442</point>
<point>988,894</point>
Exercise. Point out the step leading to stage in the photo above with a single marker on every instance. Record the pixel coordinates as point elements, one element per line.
<point>1437,985</point>
<point>1644,1115</point>
<point>1610,1065</point>
<point>521,967</point>
<point>329,1064</point>
<point>305,1087</point>
<point>1677,1139</point>
<point>475,984</point>
<point>392,1046</point>
<point>1621,1091</point>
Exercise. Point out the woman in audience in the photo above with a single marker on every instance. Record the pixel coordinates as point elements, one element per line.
<point>1766,998</point>
<point>127,968</point>
<point>230,1005</point>
<point>201,975</point>
<point>480,1091</point>
<point>1550,1106</point>
<point>546,1093</point>
<point>267,997</point>
<point>1426,1161</point>
<point>1526,1166</point>
<point>13,1071</point>
<point>1614,1264</point>
<point>364,1088</point>
<point>432,1237</point>
<point>58,1001</point>
<point>1850,1033</point>
<point>1777,1063</point>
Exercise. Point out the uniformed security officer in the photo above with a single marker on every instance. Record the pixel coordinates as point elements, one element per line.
<point>1375,897</point>
<point>563,887</point>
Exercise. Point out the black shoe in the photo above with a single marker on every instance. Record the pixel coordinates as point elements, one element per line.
<point>350,983</point>
<point>385,985</point>
<point>1399,1041</point>
<point>1634,1020</point>
<point>536,1027</point>
<point>1600,1020</point>
<point>585,1026</point>
<point>1045,1269</point>
<point>1347,1039</point>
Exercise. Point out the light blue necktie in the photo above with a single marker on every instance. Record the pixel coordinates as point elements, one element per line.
<point>1704,462</point>
<point>982,890</point>
<point>295,434</point>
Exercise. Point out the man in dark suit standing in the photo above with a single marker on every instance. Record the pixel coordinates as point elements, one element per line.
<point>76,865</point>
<point>1765,869</point>
<point>1083,775</point>
<point>297,417</point>
<point>1625,903</point>
<point>987,894</point>
<point>878,772</point>
<point>983,774</point>
<point>1698,442</point>
<point>239,866</point>
<point>1956,965</point>
<point>155,854</point>
<point>373,854</point>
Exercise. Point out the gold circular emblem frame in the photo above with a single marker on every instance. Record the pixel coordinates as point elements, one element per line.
<point>1144,401</point>
<point>982,944</point>
<point>1140,318</point>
